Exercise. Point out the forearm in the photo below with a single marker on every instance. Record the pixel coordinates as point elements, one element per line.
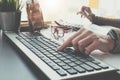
<point>105,21</point>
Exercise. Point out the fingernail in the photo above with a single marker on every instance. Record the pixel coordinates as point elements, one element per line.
<point>58,49</point>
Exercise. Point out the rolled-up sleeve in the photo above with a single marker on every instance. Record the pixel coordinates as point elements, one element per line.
<point>105,21</point>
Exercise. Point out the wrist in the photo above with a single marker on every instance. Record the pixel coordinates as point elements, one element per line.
<point>111,44</point>
<point>92,16</point>
<point>114,39</point>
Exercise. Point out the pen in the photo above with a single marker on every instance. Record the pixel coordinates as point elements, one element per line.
<point>78,13</point>
<point>83,12</point>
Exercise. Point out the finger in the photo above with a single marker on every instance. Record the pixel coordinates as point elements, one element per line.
<point>84,43</point>
<point>68,43</point>
<point>64,45</point>
<point>93,46</point>
<point>83,8</point>
<point>82,14</point>
<point>81,36</point>
<point>86,10</point>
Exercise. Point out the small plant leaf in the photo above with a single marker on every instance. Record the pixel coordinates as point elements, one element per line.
<point>11,5</point>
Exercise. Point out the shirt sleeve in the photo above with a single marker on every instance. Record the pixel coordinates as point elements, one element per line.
<point>105,21</point>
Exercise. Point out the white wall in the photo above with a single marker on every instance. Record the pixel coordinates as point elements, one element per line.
<point>109,7</point>
<point>53,9</point>
<point>62,8</point>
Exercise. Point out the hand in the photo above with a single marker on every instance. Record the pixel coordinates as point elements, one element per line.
<point>86,41</point>
<point>86,12</point>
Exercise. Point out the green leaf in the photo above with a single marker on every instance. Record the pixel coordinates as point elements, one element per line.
<point>10,5</point>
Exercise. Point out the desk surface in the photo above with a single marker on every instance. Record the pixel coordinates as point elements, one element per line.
<point>13,66</point>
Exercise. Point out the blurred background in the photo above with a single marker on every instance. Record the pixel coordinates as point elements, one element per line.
<point>66,9</point>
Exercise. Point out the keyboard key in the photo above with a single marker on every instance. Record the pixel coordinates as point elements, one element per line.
<point>66,67</point>
<point>88,68</point>
<point>90,59</point>
<point>78,62</point>
<point>80,69</point>
<point>57,61</point>
<point>72,64</point>
<point>58,55</point>
<point>51,51</point>
<point>73,59</point>
<point>67,61</point>
<point>96,62</point>
<point>46,60</point>
<point>83,60</point>
<point>51,63</point>
<point>63,58</point>
<point>69,57</point>
<point>94,65</point>
<point>61,64</point>
<point>41,56</point>
<point>68,50</point>
<point>103,66</point>
<point>53,58</point>
<point>55,67</point>
<point>61,72</point>
<point>49,55</point>
<point>46,53</point>
<point>55,53</point>
<point>72,71</point>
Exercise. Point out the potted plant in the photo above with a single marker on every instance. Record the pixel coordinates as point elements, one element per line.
<point>10,14</point>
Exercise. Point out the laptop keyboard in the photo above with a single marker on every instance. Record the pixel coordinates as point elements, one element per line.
<point>65,62</point>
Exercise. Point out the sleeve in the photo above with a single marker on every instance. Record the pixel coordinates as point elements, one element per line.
<point>105,21</point>
<point>116,34</point>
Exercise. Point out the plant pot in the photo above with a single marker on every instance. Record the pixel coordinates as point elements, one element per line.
<point>10,21</point>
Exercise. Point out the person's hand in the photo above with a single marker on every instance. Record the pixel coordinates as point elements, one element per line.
<point>86,12</point>
<point>86,41</point>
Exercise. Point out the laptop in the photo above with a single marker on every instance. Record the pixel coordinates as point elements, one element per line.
<point>65,65</point>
